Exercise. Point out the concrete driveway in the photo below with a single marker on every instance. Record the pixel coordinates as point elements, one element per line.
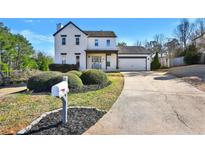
<point>189,71</point>
<point>154,103</point>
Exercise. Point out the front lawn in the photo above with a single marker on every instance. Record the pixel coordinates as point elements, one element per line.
<point>18,110</point>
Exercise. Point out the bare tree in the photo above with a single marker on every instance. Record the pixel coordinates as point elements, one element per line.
<point>160,40</point>
<point>152,46</point>
<point>183,32</point>
<point>200,26</point>
<point>138,43</point>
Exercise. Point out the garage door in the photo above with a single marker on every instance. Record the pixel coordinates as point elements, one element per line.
<point>132,63</point>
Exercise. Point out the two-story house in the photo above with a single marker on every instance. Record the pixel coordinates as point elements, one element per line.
<point>96,50</point>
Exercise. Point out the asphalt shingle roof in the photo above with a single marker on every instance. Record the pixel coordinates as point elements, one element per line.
<point>100,33</point>
<point>90,33</point>
<point>132,50</point>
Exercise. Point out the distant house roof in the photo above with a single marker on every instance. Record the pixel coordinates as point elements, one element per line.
<point>90,33</point>
<point>198,36</point>
<point>100,33</point>
<point>132,50</point>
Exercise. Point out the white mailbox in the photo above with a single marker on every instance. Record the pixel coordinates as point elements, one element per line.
<point>60,89</point>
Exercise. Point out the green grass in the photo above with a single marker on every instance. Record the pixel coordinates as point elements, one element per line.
<point>18,110</point>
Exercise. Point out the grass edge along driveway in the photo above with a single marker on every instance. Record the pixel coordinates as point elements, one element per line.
<point>19,110</point>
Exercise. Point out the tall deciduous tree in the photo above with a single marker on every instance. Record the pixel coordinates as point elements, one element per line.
<point>160,39</point>
<point>199,26</point>
<point>183,32</point>
<point>17,52</point>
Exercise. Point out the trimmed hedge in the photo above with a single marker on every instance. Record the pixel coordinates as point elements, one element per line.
<point>63,67</point>
<point>78,73</point>
<point>192,56</point>
<point>43,81</point>
<point>92,77</point>
<point>74,82</point>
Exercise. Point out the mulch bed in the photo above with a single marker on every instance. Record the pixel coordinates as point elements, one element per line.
<point>79,120</point>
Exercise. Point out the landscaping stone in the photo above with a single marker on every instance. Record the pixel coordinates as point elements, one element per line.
<point>79,120</point>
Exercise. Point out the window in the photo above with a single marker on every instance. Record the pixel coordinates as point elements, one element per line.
<point>96,43</point>
<point>108,43</point>
<point>77,41</point>
<point>108,63</point>
<point>108,60</point>
<point>78,61</point>
<point>63,41</point>
<point>63,58</point>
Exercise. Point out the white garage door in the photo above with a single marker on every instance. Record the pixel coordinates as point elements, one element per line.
<point>132,63</point>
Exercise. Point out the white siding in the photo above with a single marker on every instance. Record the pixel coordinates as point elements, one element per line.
<point>71,48</point>
<point>113,62</point>
<point>102,43</point>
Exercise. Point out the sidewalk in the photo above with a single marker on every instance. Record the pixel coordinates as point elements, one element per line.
<point>10,90</point>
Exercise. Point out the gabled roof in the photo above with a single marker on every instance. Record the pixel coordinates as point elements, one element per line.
<point>132,50</point>
<point>100,33</point>
<point>90,33</point>
<point>66,26</point>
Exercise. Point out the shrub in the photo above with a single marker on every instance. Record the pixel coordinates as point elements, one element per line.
<point>4,67</point>
<point>192,56</point>
<point>63,67</point>
<point>78,73</point>
<point>43,81</point>
<point>74,82</point>
<point>155,64</point>
<point>91,77</point>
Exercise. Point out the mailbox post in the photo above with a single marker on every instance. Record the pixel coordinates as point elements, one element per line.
<point>61,90</point>
<point>65,104</point>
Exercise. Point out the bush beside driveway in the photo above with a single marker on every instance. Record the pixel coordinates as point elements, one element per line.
<point>18,110</point>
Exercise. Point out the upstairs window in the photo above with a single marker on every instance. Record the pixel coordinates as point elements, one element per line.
<point>77,41</point>
<point>63,41</point>
<point>96,42</point>
<point>108,43</point>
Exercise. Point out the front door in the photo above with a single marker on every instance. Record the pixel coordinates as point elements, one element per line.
<point>96,62</point>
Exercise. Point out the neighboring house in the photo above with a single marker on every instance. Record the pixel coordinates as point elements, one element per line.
<point>96,50</point>
<point>199,42</point>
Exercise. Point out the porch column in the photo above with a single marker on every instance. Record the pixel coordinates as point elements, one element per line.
<point>106,61</point>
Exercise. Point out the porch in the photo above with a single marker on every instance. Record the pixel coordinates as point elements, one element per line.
<point>104,59</point>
